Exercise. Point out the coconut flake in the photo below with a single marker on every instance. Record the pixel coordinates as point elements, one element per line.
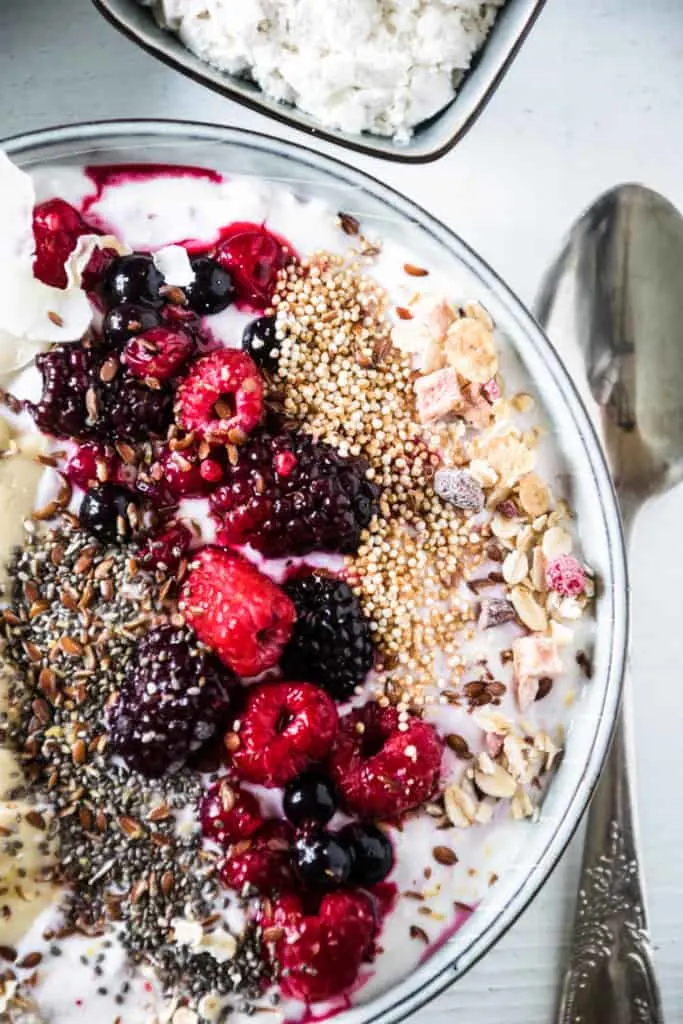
<point>174,265</point>
<point>32,314</point>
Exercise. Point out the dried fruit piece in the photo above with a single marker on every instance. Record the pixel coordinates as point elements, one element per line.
<point>533,658</point>
<point>438,395</point>
<point>494,612</point>
<point>566,576</point>
<point>459,488</point>
<point>534,496</point>
<point>471,350</point>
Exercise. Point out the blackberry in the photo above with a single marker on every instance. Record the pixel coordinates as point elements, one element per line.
<point>289,494</point>
<point>259,341</point>
<point>76,403</point>
<point>174,698</point>
<point>67,374</point>
<point>332,643</point>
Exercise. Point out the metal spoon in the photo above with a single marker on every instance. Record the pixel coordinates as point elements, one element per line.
<point>613,304</point>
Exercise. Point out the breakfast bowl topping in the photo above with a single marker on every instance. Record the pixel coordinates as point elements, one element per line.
<point>294,624</point>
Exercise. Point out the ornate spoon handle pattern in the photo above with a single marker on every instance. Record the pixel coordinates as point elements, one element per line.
<point>610,977</point>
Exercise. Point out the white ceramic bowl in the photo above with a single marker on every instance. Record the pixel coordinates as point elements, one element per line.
<point>592,494</point>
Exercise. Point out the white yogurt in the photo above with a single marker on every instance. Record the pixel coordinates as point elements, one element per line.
<point>167,210</point>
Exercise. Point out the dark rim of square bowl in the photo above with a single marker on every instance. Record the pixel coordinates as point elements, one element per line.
<point>556,844</point>
<point>224,88</point>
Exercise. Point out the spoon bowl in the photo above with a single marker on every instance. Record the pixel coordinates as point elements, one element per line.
<point>617,282</point>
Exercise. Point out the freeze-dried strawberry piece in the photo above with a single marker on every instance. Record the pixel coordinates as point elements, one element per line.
<point>566,576</point>
<point>285,727</point>
<point>534,658</point>
<point>438,395</point>
<point>382,771</point>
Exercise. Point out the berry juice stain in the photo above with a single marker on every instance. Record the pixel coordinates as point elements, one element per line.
<point>251,253</point>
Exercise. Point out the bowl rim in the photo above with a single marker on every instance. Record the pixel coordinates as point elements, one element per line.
<point>408,995</point>
<point>176,56</point>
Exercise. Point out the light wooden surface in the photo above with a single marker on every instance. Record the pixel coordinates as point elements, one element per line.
<point>596,97</point>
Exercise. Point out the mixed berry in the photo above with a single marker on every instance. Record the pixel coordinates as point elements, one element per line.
<point>290,700</point>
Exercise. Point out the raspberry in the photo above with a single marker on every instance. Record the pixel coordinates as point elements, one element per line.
<point>566,576</point>
<point>320,502</point>
<point>236,611</point>
<point>254,256</point>
<point>380,771</point>
<point>229,814</point>
<point>87,463</point>
<point>57,226</point>
<point>75,402</point>
<point>285,727</point>
<point>181,474</point>
<point>167,549</point>
<point>158,353</point>
<point>174,698</point>
<point>221,397</point>
<point>211,471</point>
<point>332,643</point>
<point>320,955</point>
<point>262,861</point>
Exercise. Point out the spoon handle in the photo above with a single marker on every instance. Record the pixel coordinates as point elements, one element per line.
<point>610,978</point>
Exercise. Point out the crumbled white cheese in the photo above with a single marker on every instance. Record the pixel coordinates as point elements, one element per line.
<point>381,66</point>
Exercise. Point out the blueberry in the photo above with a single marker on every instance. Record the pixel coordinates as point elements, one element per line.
<point>310,797</point>
<point>104,512</point>
<point>259,341</point>
<point>371,853</point>
<point>123,322</point>
<point>320,860</point>
<point>133,279</point>
<point>212,289</point>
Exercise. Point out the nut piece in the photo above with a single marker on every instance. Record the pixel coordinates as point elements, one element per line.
<point>461,807</point>
<point>471,350</point>
<point>459,488</point>
<point>495,781</point>
<point>556,541</point>
<point>515,567</point>
<point>534,496</point>
<point>529,610</point>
